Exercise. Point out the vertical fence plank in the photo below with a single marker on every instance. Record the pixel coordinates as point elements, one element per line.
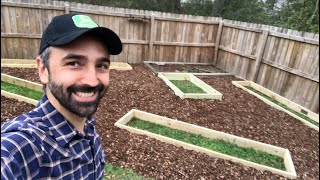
<point>217,43</point>
<point>262,45</point>
<point>151,39</point>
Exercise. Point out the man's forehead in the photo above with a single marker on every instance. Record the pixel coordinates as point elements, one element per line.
<point>84,42</point>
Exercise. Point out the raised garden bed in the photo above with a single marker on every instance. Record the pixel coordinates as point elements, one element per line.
<point>203,91</point>
<point>289,170</point>
<point>308,117</point>
<point>31,63</point>
<point>10,88</point>
<point>198,69</point>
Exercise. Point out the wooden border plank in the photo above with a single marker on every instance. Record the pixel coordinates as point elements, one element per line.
<point>21,82</point>
<point>19,97</point>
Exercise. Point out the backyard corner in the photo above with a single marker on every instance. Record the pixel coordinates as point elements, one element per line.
<point>238,113</point>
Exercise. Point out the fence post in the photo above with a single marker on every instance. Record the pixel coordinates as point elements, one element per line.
<point>151,40</point>
<point>67,7</point>
<point>262,45</point>
<point>217,43</point>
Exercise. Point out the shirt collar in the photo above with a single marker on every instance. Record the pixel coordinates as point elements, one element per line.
<point>57,125</point>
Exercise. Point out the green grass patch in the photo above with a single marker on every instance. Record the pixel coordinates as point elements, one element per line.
<point>118,173</point>
<point>187,86</point>
<point>21,91</point>
<point>224,147</point>
<point>283,106</point>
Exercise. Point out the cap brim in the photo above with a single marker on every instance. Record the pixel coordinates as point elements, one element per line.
<point>108,37</point>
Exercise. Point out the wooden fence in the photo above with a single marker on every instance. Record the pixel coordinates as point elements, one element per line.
<point>282,60</point>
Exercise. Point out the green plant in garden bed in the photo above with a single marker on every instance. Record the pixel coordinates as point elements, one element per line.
<point>187,86</point>
<point>283,106</point>
<point>224,147</point>
<point>118,173</point>
<point>21,91</point>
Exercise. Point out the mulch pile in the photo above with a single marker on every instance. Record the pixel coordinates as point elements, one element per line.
<point>239,113</point>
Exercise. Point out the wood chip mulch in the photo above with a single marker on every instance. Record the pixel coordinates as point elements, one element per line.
<point>239,113</point>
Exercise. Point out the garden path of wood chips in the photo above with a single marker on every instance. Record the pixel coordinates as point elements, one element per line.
<point>239,113</point>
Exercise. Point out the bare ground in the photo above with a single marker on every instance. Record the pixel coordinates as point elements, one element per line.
<point>239,113</point>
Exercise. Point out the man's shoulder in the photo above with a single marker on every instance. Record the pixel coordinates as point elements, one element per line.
<point>24,126</point>
<point>25,119</point>
<point>19,143</point>
<point>22,135</point>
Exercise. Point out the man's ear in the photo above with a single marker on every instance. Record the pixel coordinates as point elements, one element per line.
<point>43,71</point>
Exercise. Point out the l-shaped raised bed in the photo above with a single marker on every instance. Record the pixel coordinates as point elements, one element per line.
<point>308,117</point>
<point>197,69</point>
<point>212,134</point>
<point>208,91</point>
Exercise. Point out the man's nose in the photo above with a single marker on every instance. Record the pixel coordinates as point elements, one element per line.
<point>90,78</point>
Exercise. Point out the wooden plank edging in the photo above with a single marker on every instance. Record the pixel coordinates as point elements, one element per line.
<point>280,99</point>
<point>18,97</point>
<point>242,142</point>
<point>211,93</point>
<point>21,82</point>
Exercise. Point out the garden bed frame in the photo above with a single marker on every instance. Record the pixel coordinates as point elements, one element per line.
<point>210,92</point>
<point>209,133</point>
<point>31,63</point>
<point>288,103</point>
<point>22,83</point>
<point>147,64</point>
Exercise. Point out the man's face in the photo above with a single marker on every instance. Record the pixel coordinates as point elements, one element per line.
<point>78,75</point>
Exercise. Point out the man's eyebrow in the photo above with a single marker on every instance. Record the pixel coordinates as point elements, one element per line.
<point>74,56</point>
<point>104,59</point>
<point>81,57</point>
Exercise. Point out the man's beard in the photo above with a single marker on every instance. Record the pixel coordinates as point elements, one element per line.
<point>81,109</point>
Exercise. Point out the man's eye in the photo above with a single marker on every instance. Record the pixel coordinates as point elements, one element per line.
<point>103,66</point>
<point>76,64</point>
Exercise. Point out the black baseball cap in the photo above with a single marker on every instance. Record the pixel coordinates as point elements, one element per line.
<point>65,28</point>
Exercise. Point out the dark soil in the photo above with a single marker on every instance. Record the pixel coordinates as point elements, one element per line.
<point>239,113</point>
<point>11,108</point>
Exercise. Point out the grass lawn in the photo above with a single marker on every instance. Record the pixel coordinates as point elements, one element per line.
<point>118,173</point>
<point>231,149</point>
<point>21,91</point>
<point>187,86</point>
<point>283,106</point>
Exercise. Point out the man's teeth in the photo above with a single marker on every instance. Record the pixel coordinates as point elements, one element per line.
<point>83,94</point>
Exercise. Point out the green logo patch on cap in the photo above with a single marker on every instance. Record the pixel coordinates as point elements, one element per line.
<point>83,21</point>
